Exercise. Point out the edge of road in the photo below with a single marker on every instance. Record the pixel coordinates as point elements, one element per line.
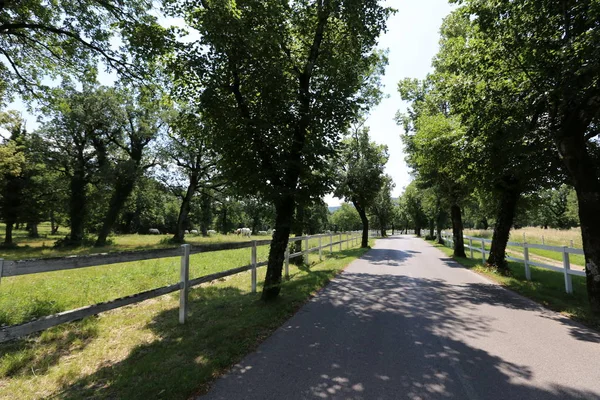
<point>557,315</point>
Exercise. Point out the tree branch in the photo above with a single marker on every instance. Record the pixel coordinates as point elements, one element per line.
<point>16,69</point>
<point>114,62</point>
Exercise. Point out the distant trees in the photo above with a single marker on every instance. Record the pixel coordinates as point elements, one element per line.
<point>519,77</point>
<point>13,172</point>
<point>360,176</point>
<point>191,167</point>
<point>345,218</point>
<point>142,119</point>
<point>382,207</point>
<point>78,146</point>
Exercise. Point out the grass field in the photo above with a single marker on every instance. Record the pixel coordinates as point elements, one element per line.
<point>140,351</point>
<point>44,245</point>
<point>552,237</point>
<point>546,287</point>
<point>23,298</point>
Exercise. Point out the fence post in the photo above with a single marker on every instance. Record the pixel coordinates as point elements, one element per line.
<point>567,268</point>
<point>483,251</point>
<point>287,262</point>
<point>543,240</point>
<point>340,241</point>
<point>253,262</point>
<point>306,251</point>
<point>1,268</point>
<point>330,243</point>
<point>184,281</point>
<point>347,241</point>
<point>320,248</point>
<point>471,247</point>
<point>571,243</point>
<point>526,259</point>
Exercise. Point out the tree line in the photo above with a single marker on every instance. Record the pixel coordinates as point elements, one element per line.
<point>508,122</point>
<point>247,106</point>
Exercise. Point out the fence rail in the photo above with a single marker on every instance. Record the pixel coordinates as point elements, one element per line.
<point>565,269</point>
<point>26,267</point>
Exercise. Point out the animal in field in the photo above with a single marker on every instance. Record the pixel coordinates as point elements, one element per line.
<point>243,231</point>
<point>194,231</point>
<point>153,231</point>
<point>262,233</point>
<point>211,232</point>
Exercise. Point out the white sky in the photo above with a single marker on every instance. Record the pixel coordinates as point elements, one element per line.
<point>412,40</point>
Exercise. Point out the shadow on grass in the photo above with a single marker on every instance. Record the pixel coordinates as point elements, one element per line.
<point>224,324</point>
<point>36,354</point>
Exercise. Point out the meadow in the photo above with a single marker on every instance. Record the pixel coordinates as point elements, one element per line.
<point>549,237</point>
<point>27,297</point>
<point>111,355</point>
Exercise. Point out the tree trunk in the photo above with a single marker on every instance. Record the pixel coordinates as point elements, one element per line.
<point>122,191</point>
<point>8,238</point>
<point>438,228</point>
<point>504,221</point>
<point>297,230</point>
<point>283,223</point>
<point>33,230</point>
<point>418,231</point>
<point>365,223</point>
<point>184,210</point>
<point>583,172</point>
<point>457,231</point>
<point>53,226</point>
<point>77,208</point>
<point>205,213</point>
<point>431,227</point>
<point>392,229</point>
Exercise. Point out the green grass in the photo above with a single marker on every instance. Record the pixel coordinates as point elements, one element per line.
<point>546,287</point>
<point>23,298</point>
<point>552,237</point>
<point>44,245</point>
<point>141,352</point>
<point>575,259</point>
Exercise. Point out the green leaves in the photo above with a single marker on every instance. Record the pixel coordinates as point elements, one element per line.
<point>46,40</point>
<point>279,83</point>
<point>360,174</point>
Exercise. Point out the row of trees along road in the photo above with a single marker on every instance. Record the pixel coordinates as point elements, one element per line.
<point>276,136</point>
<point>253,107</point>
<point>512,110</point>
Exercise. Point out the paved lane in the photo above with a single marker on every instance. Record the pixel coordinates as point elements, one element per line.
<point>405,322</point>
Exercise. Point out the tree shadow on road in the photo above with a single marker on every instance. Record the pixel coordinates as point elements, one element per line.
<point>545,286</point>
<point>388,336</point>
<point>392,257</point>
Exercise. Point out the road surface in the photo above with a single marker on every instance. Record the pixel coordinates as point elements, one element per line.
<point>406,322</point>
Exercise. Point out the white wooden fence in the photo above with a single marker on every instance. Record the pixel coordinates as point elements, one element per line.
<point>27,267</point>
<point>565,250</point>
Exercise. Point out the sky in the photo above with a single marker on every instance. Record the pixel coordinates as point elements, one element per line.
<point>412,41</point>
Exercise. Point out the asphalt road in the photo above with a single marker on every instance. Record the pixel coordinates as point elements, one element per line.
<point>405,322</point>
